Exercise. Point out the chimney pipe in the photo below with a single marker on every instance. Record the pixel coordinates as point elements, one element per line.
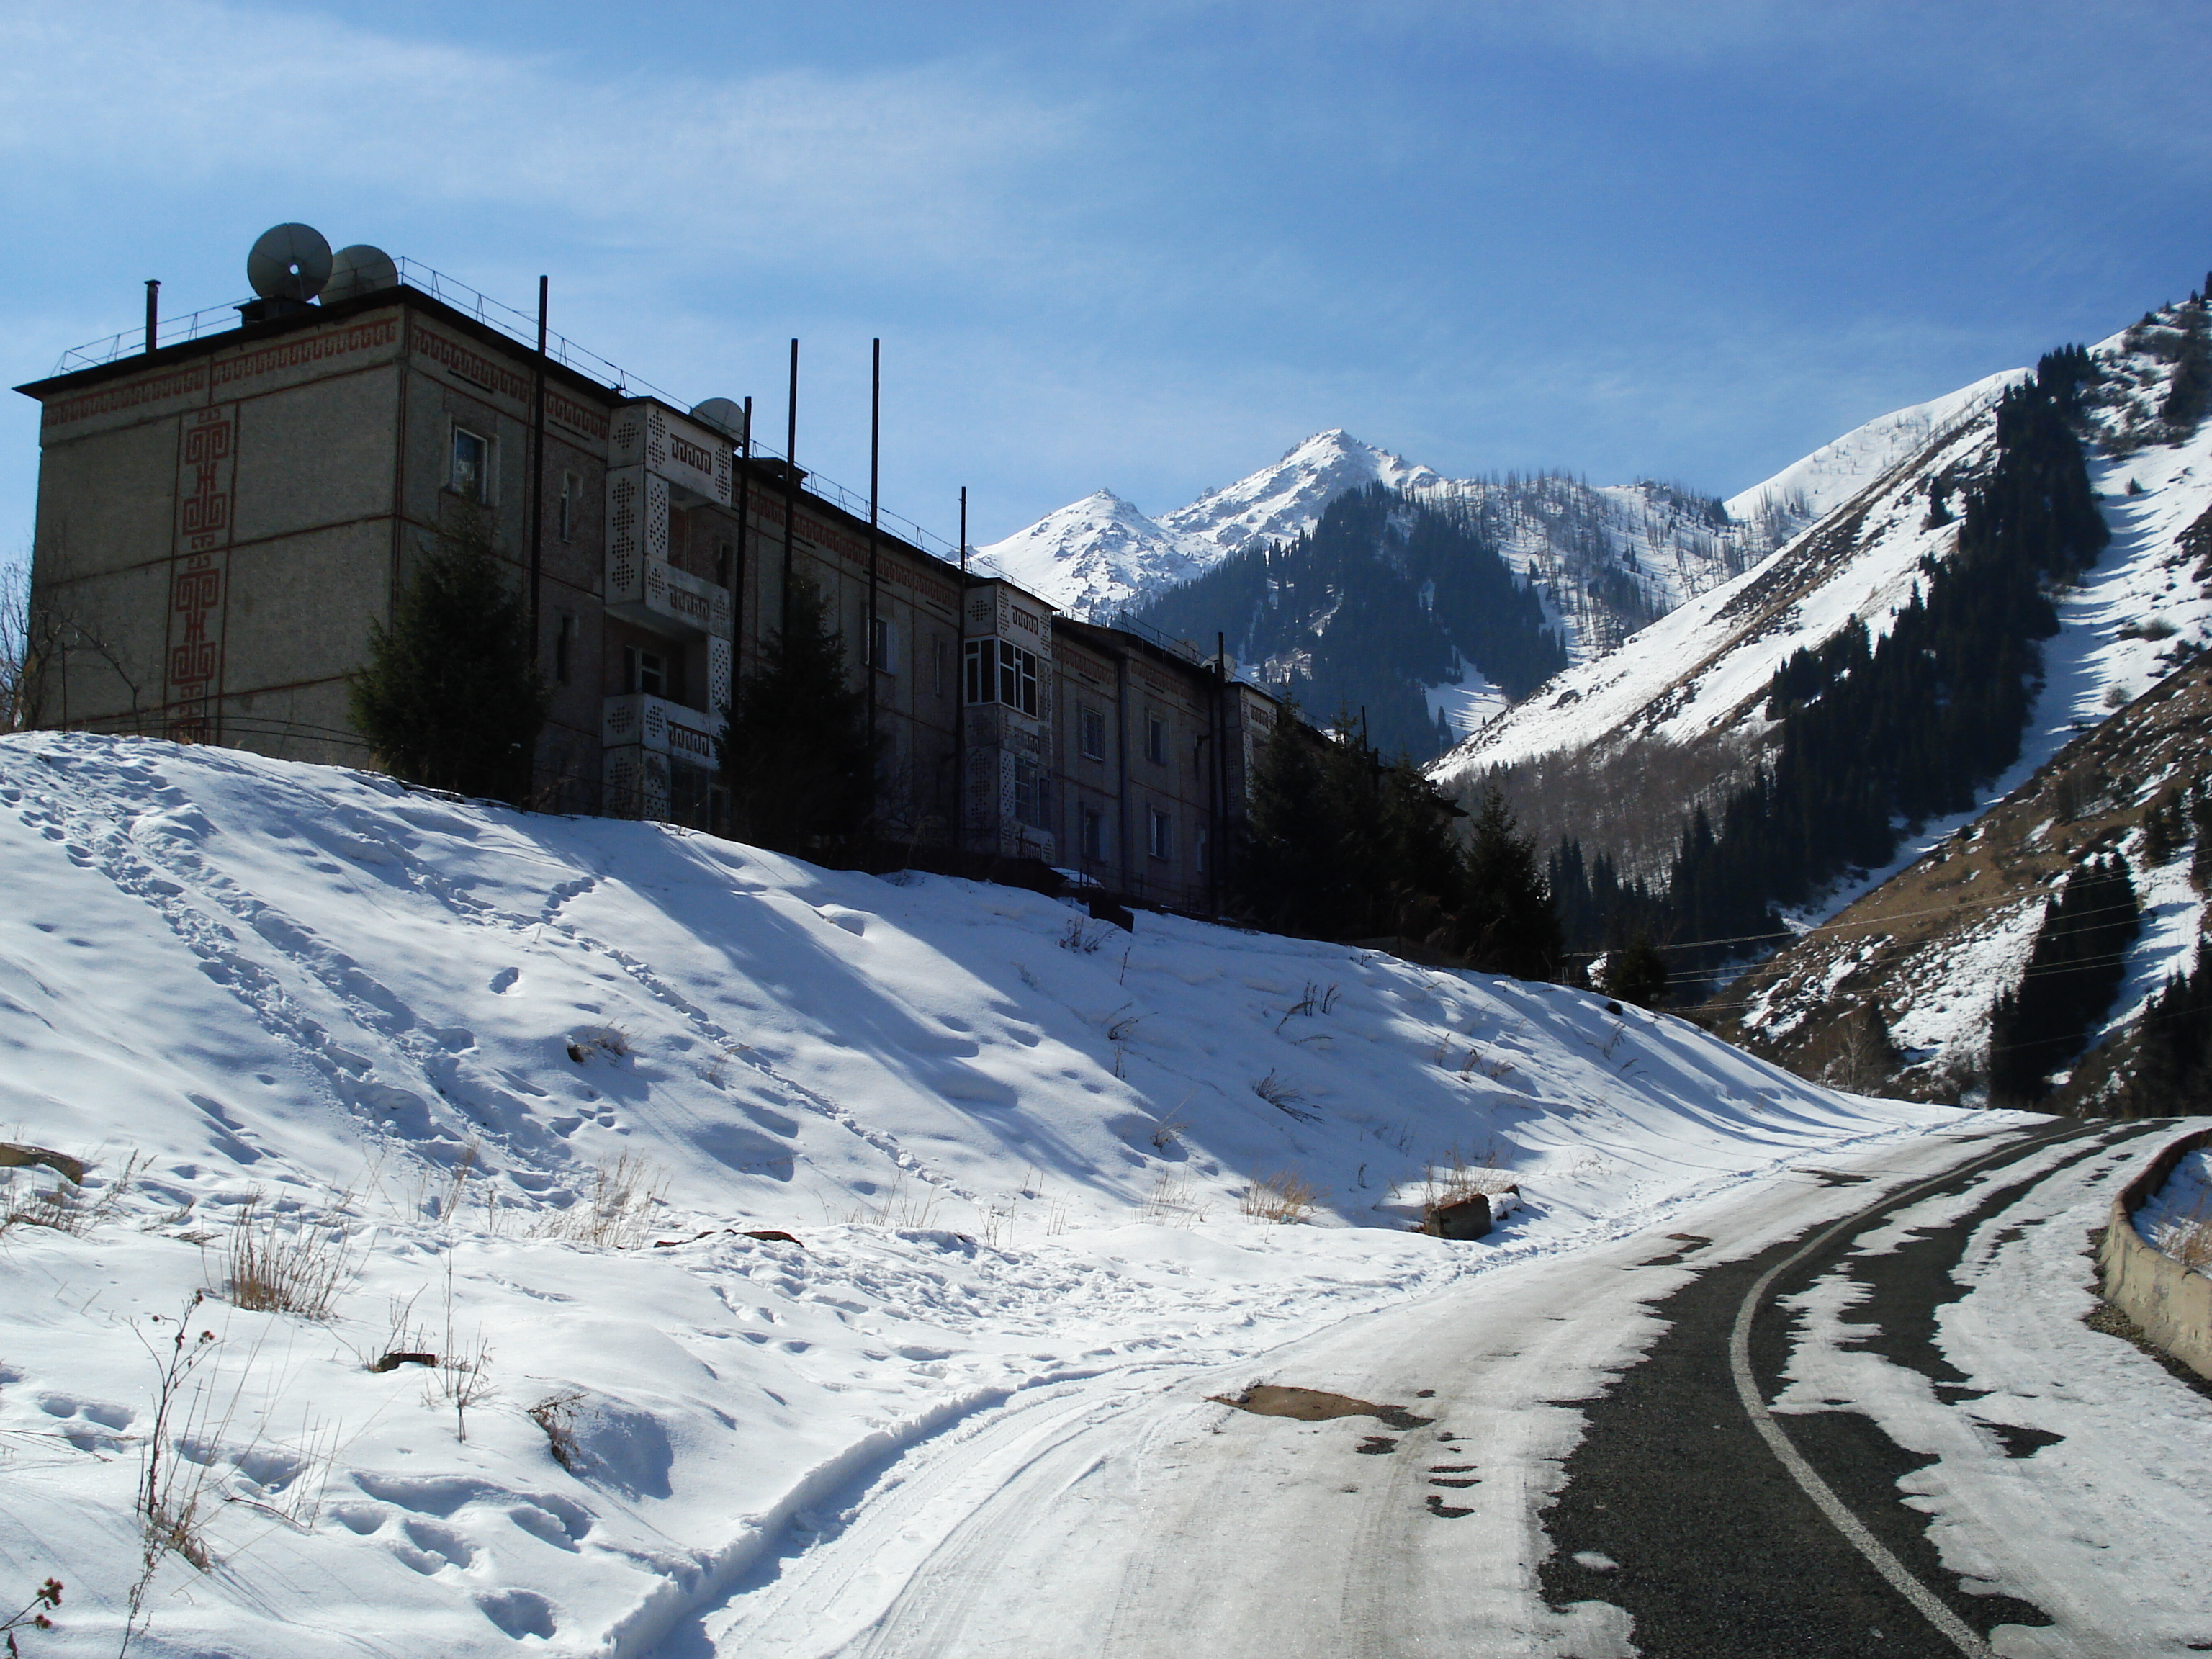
<point>152,311</point>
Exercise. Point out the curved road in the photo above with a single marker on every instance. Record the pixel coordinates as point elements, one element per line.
<point>1847,1412</point>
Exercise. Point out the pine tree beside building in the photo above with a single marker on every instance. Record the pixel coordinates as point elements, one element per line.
<point>797,752</point>
<point>451,697</point>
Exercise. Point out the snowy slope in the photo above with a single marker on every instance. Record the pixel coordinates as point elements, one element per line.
<point>1812,487</point>
<point>1936,943</point>
<point>1703,669</point>
<point>1009,1144</point>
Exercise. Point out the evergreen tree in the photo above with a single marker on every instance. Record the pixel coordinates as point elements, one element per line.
<point>2079,959</point>
<point>1636,973</point>
<point>1506,922</point>
<point>797,750</point>
<point>2173,1053</point>
<point>1343,846</point>
<point>1877,736</point>
<point>451,696</point>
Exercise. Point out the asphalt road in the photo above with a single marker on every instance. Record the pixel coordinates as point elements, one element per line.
<point>1716,1548</point>
<point>1590,1476</point>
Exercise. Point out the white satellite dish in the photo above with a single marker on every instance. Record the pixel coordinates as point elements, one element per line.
<point>725,415</point>
<point>357,270</point>
<point>289,261</point>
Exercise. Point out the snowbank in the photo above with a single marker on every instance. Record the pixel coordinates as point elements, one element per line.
<point>526,1089</point>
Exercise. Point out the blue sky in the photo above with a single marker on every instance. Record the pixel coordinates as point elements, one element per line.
<point>1153,246</point>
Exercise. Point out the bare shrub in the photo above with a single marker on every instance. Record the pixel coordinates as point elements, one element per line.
<point>556,1415</point>
<point>614,1213</point>
<point>274,1268</point>
<point>1121,1024</point>
<point>461,1377</point>
<point>1084,936</point>
<point>1281,1197</point>
<point>168,1504</point>
<point>1279,1093</point>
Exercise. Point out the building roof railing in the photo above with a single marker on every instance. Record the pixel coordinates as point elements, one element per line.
<point>522,327</point>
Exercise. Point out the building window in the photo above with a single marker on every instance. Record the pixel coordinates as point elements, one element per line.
<point>1156,740</point>
<point>564,648</point>
<point>567,498</point>
<point>471,465</point>
<point>645,670</point>
<point>1029,795</point>
<point>1094,836</point>
<point>1199,850</point>
<point>936,657</point>
<point>1091,724</point>
<point>999,672</point>
<point>1162,842</point>
<point>726,562</point>
<point>882,645</point>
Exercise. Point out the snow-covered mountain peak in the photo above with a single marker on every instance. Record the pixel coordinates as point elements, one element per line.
<point>1092,555</point>
<point>1284,501</point>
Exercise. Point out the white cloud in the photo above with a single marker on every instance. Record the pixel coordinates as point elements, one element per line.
<point>778,167</point>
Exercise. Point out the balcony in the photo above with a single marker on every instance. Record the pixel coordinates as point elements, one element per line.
<point>657,727</point>
<point>654,594</point>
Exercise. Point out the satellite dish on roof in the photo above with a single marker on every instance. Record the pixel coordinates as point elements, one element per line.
<point>357,270</point>
<point>725,414</point>
<point>289,261</point>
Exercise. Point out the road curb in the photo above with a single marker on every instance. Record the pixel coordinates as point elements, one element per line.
<point>2170,1303</point>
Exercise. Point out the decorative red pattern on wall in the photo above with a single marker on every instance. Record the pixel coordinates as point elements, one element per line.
<point>178,383</point>
<point>207,466</point>
<point>313,348</point>
<point>477,370</point>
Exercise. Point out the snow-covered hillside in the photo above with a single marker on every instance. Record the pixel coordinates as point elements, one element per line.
<point>544,1096</point>
<point>1606,559</point>
<point>1934,945</point>
<point>1698,676</point>
<point>1812,487</point>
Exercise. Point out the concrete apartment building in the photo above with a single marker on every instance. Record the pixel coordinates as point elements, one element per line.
<point>222,518</point>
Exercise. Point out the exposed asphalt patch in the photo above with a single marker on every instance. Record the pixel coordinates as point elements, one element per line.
<point>1316,1406</point>
<point>2020,1442</point>
<point>1718,1550</point>
<point>1685,1244</point>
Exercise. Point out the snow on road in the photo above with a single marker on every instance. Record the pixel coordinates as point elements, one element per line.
<point>534,1084</point>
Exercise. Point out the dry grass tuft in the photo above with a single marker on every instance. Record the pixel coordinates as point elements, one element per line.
<point>2189,1243</point>
<point>1278,1091</point>
<point>615,1213</point>
<point>1173,1201</point>
<point>66,1206</point>
<point>1457,1178</point>
<point>1282,1197</point>
<point>274,1268</point>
